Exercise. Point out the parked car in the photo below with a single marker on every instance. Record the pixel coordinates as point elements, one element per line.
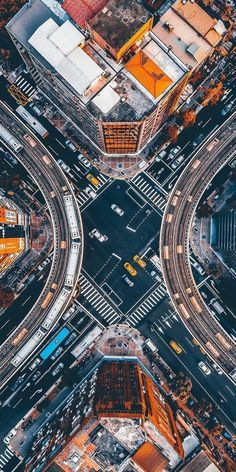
<point>217,368</point>
<point>174,151</point>
<point>117,209</point>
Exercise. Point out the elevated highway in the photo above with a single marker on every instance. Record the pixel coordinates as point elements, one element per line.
<point>206,162</point>
<point>68,247</point>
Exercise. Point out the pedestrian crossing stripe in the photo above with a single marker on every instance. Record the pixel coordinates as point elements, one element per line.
<point>152,194</point>
<point>97,301</point>
<point>147,305</point>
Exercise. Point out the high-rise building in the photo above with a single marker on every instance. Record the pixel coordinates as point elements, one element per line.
<point>12,242</point>
<point>223,236</point>
<point>114,75</point>
<point>114,418</point>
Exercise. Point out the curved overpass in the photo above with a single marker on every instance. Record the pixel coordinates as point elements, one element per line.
<point>174,244</point>
<point>67,235</point>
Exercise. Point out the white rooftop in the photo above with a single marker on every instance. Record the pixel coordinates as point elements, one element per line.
<point>106,99</point>
<point>60,46</point>
<point>66,38</point>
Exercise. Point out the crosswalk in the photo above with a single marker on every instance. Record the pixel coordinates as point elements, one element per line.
<point>151,193</point>
<point>149,303</point>
<point>5,458</point>
<point>25,85</point>
<point>84,197</point>
<point>102,307</point>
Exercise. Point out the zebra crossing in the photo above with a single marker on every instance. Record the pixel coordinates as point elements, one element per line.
<point>149,192</point>
<point>84,197</point>
<point>5,458</point>
<point>105,311</point>
<point>25,85</point>
<point>149,303</point>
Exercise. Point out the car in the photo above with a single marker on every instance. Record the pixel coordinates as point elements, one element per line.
<point>174,151</point>
<point>176,347</point>
<point>58,369</point>
<point>198,139</point>
<point>117,209</point>
<point>153,273</point>
<point>94,180</point>
<point>152,327</point>
<point>69,312</point>
<point>233,163</point>
<point>95,233</point>
<point>90,192</point>
<point>71,145</point>
<point>57,353</point>
<point>36,375</point>
<point>180,159</point>
<point>198,268</point>
<point>9,436</point>
<point>162,154</point>
<point>71,338</point>
<point>128,281</point>
<point>132,271</point>
<point>139,260</point>
<point>204,368</point>
<point>217,368</point>
<point>226,109</point>
<point>84,160</point>
<point>34,364</point>
<point>176,163</point>
<point>63,165</point>
<point>195,342</point>
<point>11,158</point>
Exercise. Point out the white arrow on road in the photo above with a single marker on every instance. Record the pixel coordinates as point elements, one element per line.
<point>36,391</point>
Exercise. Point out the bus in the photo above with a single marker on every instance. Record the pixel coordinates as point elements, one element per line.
<point>54,343</point>
<point>32,121</point>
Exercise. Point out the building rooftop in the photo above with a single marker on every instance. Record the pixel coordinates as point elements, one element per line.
<point>83,10</point>
<point>60,47</point>
<point>149,458</point>
<point>200,463</point>
<point>118,21</point>
<point>189,32</point>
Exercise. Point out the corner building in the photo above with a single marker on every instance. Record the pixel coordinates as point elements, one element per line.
<point>107,69</point>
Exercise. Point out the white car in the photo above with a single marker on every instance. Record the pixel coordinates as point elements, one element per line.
<point>117,209</point>
<point>199,268</point>
<point>217,368</point>
<point>204,368</point>
<point>71,145</point>
<point>9,436</point>
<point>174,151</point>
<point>58,368</point>
<point>84,160</point>
<point>90,192</point>
<point>128,281</point>
<point>63,165</point>
<point>95,233</point>
<point>178,161</point>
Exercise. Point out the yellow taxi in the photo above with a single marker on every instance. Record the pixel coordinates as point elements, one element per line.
<point>132,271</point>
<point>94,180</point>
<point>176,347</point>
<point>195,342</point>
<point>139,261</point>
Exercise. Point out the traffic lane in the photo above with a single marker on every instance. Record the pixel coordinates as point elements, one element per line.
<point>170,327</point>
<point>217,388</point>
<point>16,313</point>
<point>160,170</point>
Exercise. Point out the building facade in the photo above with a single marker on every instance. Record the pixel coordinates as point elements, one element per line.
<point>12,241</point>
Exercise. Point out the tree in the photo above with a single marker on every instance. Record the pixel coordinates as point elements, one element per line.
<point>213,94</point>
<point>188,118</point>
<point>181,387</point>
<point>6,297</point>
<point>196,77</point>
<point>172,133</point>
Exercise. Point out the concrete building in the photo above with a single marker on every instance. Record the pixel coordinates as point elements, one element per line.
<point>12,240</point>
<point>223,236</point>
<point>118,78</point>
<point>116,417</point>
